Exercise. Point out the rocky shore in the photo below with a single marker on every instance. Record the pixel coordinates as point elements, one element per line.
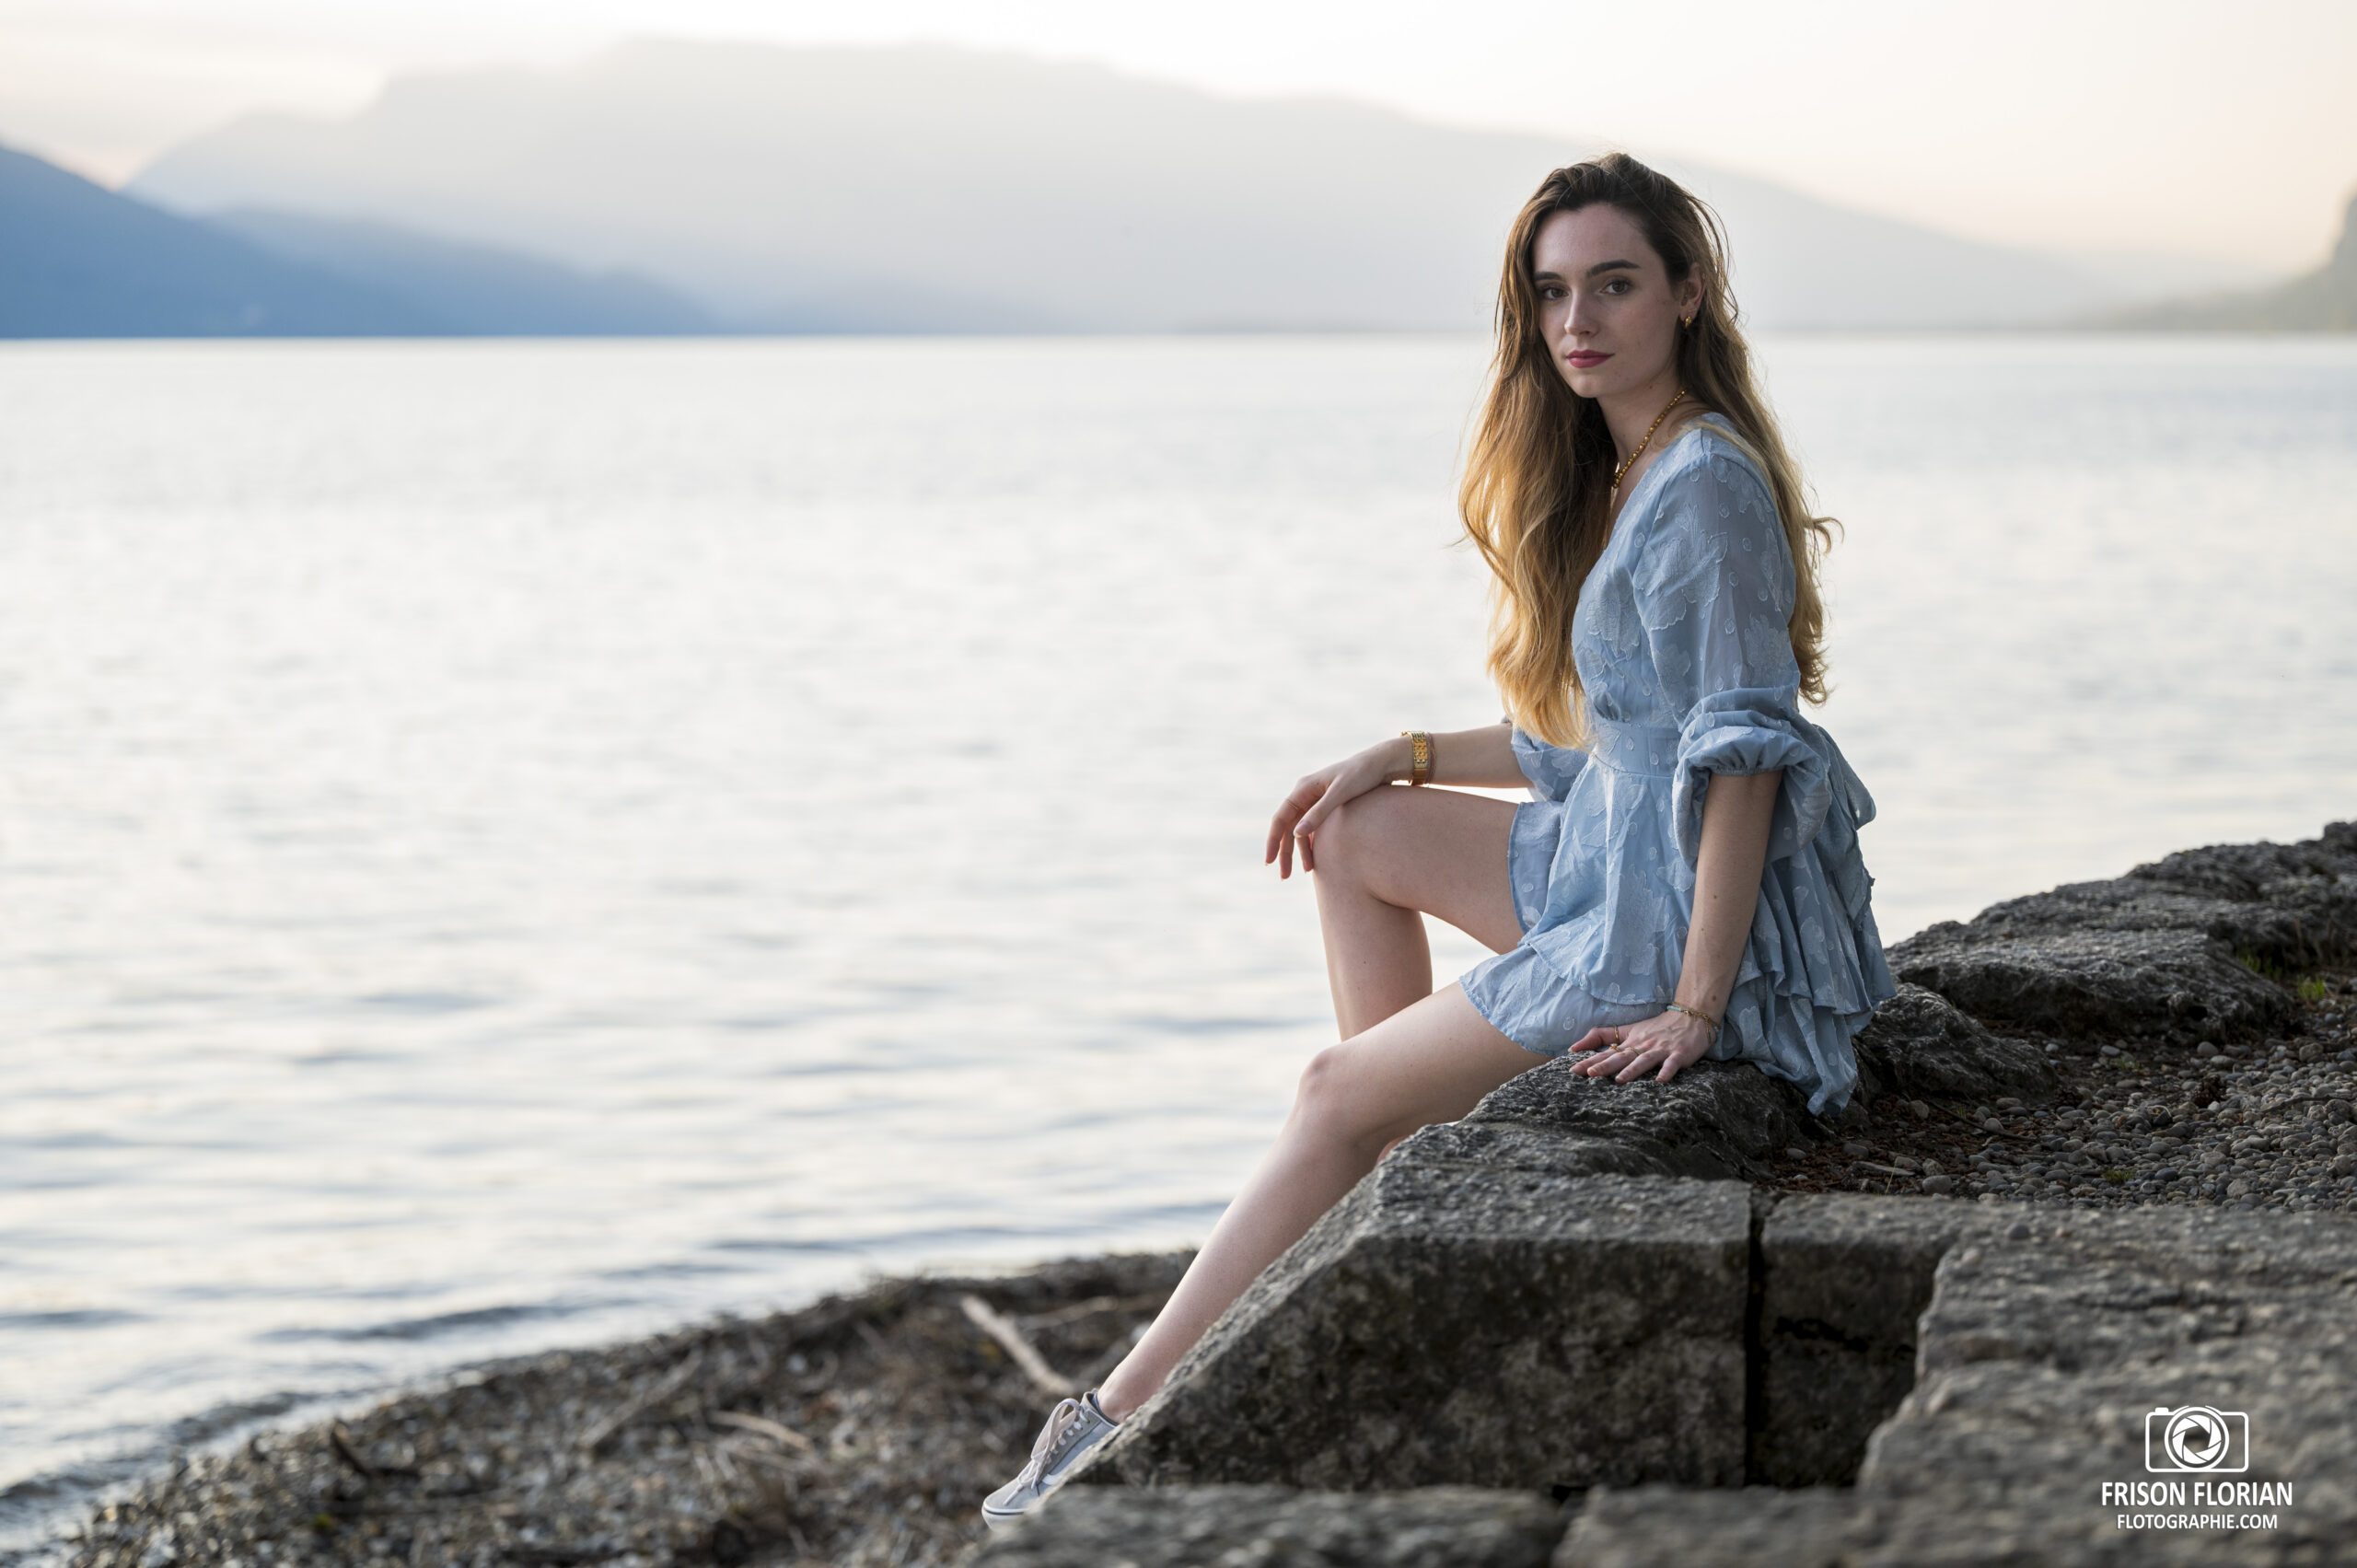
<point>2103,1158</point>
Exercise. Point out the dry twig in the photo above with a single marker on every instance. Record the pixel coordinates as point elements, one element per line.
<point>1010,1338</point>
<point>607,1430</point>
<point>776,1432</point>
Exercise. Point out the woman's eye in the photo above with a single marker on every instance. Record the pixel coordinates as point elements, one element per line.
<point>1617,285</point>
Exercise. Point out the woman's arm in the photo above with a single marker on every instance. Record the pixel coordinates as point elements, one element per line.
<point>1737,811</point>
<point>1481,758</point>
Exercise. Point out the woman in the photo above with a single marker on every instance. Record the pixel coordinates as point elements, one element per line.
<point>1686,881</point>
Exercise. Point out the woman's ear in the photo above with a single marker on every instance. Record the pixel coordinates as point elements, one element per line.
<point>1689,297</point>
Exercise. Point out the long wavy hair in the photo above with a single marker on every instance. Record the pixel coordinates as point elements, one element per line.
<point>1536,495</point>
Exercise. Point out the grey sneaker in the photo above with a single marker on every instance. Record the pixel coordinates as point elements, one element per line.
<point>1073,1428</point>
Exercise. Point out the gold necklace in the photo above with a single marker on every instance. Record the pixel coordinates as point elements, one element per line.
<point>1648,441</point>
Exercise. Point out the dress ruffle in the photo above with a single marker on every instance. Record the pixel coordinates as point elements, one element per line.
<point>1681,644</point>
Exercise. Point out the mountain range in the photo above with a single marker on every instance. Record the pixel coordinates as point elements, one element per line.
<point>79,261</point>
<point>667,186</point>
<point>2322,301</point>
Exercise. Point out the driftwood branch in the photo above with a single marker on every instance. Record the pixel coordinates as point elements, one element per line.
<point>341,1440</point>
<point>776,1432</point>
<point>596,1439</point>
<point>1010,1338</point>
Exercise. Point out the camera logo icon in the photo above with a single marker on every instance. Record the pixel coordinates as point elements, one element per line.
<point>2195,1437</point>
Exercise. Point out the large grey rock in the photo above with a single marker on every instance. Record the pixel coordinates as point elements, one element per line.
<point>2289,905</point>
<point>2093,983</point>
<point>1918,1045</point>
<point>1843,1280</point>
<point>2042,1338</point>
<point>2297,903</point>
<point>2125,904</point>
<point>1458,1322</point>
<point>2049,1338</point>
<point>1757,1527</point>
<point>1714,1121</point>
<point>1275,1527</point>
<point>2040,1355</point>
<point>2168,949</point>
<point>1834,1527</point>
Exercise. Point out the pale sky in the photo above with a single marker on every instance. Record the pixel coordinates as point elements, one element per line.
<point>2225,128</point>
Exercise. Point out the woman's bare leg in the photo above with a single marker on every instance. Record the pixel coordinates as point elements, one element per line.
<point>1410,1060</point>
<point>1384,858</point>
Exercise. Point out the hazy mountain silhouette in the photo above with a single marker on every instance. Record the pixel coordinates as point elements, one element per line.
<point>472,289</point>
<point>2321,301</point>
<point>929,189</point>
<point>77,260</point>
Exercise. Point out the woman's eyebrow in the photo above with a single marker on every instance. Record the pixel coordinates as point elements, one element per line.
<point>1600,268</point>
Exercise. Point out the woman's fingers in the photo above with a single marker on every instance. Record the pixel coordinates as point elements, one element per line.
<point>1278,848</point>
<point>1323,808</point>
<point>1288,825</point>
<point>1639,1063</point>
<point>1305,831</point>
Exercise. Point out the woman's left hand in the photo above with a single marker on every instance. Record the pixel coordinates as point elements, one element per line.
<point>1661,1045</point>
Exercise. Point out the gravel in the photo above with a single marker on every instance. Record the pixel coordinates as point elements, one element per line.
<point>2267,1124</point>
<point>864,1429</point>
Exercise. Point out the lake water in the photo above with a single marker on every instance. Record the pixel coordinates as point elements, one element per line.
<point>505,844</point>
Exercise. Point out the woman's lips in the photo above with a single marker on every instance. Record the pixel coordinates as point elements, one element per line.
<point>1586,360</point>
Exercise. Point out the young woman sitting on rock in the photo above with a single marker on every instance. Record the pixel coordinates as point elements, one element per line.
<point>1685,881</point>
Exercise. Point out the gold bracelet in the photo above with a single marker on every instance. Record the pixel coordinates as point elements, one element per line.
<point>1712,1024</point>
<point>1420,754</point>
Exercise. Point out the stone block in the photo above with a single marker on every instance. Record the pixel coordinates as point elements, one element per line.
<point>2299,899</point>
<point>1454,1322</point>
<point>1276,1527</point>
<point>1714,1121</point>
<point>1755,1526</point>
<point>2041,1355</point>
<point>1921,1046</point>
<point>2093,983</point>
<point>1843,1281</point>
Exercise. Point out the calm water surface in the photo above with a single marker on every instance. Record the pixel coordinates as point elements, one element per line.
<point>509,844</point>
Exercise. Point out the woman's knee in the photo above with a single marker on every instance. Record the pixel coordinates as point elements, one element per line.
<point>1332,1102</point>
<point>1351,841</point>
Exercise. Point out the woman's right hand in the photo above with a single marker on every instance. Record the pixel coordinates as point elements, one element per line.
<point>1319,794</point>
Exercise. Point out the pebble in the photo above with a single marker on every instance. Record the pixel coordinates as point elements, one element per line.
<point>859,1430</point>
<point>2268,1123</point>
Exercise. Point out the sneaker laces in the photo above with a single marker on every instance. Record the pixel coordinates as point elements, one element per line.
<point>1064,1423</point>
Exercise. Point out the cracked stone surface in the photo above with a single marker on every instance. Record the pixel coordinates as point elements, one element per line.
<point>1454,1322</point>
<point>1274,1527</point>
<point>2100,981</point>
<point>2175,950</point>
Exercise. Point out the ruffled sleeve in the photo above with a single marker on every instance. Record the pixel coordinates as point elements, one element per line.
<point>1714,592</point>
<point>1551,769</point>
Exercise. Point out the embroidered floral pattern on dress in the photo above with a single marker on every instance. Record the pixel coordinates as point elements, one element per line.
<point>1681,642</point>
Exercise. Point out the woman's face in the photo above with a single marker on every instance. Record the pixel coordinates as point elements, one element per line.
<point>1607,308</point>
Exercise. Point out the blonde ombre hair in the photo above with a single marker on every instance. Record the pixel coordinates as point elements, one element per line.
<point>1537,479</point>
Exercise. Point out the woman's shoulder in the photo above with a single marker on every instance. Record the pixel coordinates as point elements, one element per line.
<point>1711,496</point>
<point>1709,457</point>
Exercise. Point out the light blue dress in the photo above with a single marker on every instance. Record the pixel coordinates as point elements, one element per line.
<point>1682,641</point>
